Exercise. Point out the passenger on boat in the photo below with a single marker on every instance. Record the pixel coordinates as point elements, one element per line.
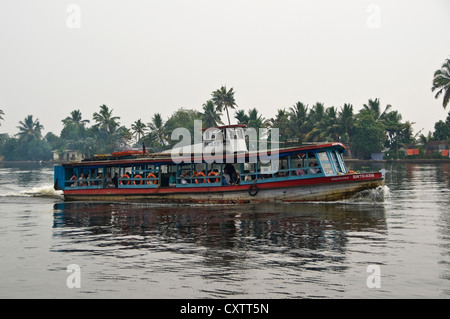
<point>226,179</point>
<point>172,180</point>
<point>109,182</point>
<point>238,179</point>
<point>232,173</point>
<point>300,172</point>
<point>183,178</point>
<point>188,177</point>
<point>311,170</point>
<point>74,178</point>
<point>99,177</point>
<point>115,180</point>
<point>316,165</point>
<point>83,181</point>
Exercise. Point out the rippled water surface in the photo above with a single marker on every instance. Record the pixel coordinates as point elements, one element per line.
<point>311,250</point>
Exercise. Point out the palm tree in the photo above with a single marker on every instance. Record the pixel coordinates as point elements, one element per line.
<point>157,130</point>
<point>372,108</point>
<point>105,120</point>
<point>256,120</point>
<point>425,139</point>
<point>441,82</point>
<point>210,115</point>
<point>316,113</point>
<point>1,117</point>
<point>29,130</point>
<point>346,121</point>
<point>123,136</point>
<point>224,99</point>
<point>241,117</point>
<point>324,122</point>
<point>139,129</point>
<point>298,121</point>
<point>281,122</point>
<point>75,118</point>
<point>331,124</point>
<point>393,127</point>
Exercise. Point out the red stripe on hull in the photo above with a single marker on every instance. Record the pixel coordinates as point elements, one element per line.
<point>320,188</point>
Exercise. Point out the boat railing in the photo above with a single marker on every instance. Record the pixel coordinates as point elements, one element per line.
<point>84,183</point>
<point>151,178</point>
<point>138,180</point>
<point>199,180</point>
<point>293,173</point>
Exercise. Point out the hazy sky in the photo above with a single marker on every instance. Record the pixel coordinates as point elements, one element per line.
<point>143,57</point>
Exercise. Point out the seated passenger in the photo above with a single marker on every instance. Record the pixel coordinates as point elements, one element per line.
<point>109,183</point>
<point>238,179</point>
<point>115,180</point>
<point>83,181</point>
<point>312,170</point>
<point>100,178</point>
<point>172,180</point>
<point>226,180</point>
<point>183,178</point>
<point>231,171</point>
<point>74,178</point>
<point>299,171</point>
<point>316,167</point>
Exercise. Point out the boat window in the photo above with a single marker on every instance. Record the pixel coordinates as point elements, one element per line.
<point>338,162</point>
<point>249,172</point>
<point>341,162</point>
<point>325,163</point>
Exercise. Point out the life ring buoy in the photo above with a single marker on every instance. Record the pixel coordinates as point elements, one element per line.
<point>138,176</point>
<point>213,174</point>
<point>152,176</point>
<point>202,180</point>
<point>253,190</point>
<point>125,176</point>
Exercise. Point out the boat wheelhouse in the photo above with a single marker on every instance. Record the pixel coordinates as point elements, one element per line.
<point>306,173</point>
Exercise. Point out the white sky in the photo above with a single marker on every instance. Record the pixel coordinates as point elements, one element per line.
<point>143,57</point>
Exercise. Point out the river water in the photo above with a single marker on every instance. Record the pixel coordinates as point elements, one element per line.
<point>360,248</point>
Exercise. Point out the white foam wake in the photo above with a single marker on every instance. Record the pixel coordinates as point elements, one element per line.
<point>45,190</point>
<point>379,194</point>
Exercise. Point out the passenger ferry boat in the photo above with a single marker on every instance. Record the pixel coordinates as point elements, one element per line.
<point>305,173</point>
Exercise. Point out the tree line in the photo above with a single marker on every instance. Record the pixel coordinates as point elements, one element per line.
<point>372,128</point>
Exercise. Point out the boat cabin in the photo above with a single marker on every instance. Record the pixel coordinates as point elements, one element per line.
<point>160,171</point>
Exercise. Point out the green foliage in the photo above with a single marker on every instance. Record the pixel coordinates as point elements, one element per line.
<point>370,130</point>
<point>224,98</point>
<point>181,118</point>
<point>369,136</point>
<point>34,150</point>
<point>442,130</point>
<point>441,83</point>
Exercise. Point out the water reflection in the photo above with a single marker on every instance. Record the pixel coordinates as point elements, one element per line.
<point>220,234</point>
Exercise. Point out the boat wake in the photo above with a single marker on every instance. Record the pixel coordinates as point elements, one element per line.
<point>374,195</point>
<point>46,191</point>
